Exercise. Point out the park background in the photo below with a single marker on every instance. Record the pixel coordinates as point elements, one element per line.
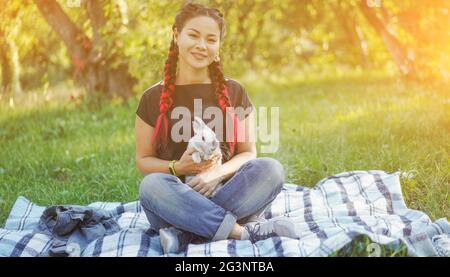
<point>361,84</point>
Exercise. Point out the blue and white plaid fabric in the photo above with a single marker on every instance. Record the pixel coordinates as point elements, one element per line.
<point>327,217</point>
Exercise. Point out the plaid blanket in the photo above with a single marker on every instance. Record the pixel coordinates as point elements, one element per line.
<point>327,217</point>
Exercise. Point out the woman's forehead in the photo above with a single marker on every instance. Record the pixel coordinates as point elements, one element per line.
<point>204,25</point>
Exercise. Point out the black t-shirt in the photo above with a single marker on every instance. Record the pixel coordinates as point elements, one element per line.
<point>148,109</point>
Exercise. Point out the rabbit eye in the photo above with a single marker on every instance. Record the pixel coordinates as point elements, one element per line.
<point>203,138</point>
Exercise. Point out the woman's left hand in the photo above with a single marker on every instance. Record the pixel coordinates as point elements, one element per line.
<point>206,182</point>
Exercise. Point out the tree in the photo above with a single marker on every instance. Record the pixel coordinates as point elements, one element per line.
<point>393,45</point>
<point>99,71</point>
<point>5,65</point>
<point>9,51</point>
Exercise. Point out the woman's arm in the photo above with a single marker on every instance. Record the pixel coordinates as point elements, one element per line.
<point>146,160</point>
<point>245,151</point>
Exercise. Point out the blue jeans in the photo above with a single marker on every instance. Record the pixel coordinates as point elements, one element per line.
<point>169,202</point>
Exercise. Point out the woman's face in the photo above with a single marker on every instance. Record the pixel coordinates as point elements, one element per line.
<point>198,42</point>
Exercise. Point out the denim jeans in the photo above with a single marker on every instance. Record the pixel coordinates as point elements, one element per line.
<point>167,201</point>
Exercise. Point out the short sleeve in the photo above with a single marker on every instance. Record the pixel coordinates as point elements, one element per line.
<point>147,108</point>
<point>245,99</point>
<point>240,98</point>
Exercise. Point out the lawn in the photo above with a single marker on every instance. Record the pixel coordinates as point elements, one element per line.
<point>62,151</point>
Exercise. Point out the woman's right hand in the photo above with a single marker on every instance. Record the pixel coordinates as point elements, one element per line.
<point>186,166</point>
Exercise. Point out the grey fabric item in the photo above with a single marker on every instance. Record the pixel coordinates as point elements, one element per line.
<point>250,222</point>
<point>170,242</point>
<point>174,240</point>
<point>244,233</point>
<point>281,227</point>
<point>73,228</point>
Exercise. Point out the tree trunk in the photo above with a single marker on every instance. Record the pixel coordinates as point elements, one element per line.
<point>353,35</point>
<point>393,45</point>
<point>116,80</point>
<point>5,65</point>
<point>9,59</point>
<point>16,88</point>
<point>87,57</point>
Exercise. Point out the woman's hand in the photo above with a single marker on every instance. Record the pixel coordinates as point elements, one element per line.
<point>206,182</point>
<point>186,166</point>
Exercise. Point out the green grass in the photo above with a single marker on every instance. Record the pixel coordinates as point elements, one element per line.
<point>61,152</point>
<point>346,125</point>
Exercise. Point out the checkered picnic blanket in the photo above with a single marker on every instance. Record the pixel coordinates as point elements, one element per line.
<point>327,217</point>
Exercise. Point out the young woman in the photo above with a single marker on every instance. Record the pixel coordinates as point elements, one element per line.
<point>201,209</point>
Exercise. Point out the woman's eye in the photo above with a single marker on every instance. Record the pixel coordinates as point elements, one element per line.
<point>192,35</point>
<point>212,41</point>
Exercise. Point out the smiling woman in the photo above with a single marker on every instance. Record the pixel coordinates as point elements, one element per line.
<point>201,209</point>
<point>198,46</point>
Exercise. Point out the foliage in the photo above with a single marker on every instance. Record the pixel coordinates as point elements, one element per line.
<point>274,38</point>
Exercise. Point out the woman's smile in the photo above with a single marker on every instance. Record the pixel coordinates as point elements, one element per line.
<point>198,56</point>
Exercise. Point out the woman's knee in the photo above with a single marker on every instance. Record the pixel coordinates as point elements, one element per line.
<point>271,169</point>
<point>148,184</point>
<point>154,186</point>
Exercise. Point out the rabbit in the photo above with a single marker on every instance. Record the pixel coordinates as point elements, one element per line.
<point>205,143</point>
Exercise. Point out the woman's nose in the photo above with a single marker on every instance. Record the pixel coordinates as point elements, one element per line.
<point>201,44</point>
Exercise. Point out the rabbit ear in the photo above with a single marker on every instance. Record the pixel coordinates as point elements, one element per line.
<point>197,124</point>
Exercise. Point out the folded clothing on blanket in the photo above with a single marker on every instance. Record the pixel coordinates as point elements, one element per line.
<point>73,227</point>
<point>327,217</point>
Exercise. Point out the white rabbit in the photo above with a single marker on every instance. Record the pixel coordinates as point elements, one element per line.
<point>205,143</point>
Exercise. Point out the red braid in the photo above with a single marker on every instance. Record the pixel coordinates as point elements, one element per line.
<point>224,102</point>
<point>161,132</point>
